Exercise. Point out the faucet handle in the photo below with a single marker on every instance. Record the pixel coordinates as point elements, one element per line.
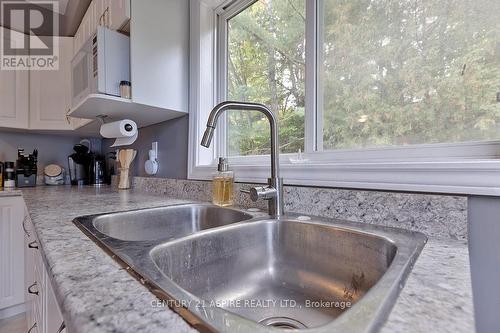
<point>260,192</point>
<point>245,190</point>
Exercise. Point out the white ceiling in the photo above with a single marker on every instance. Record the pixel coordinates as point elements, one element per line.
<point>63,4</point>
<point>70,14</point>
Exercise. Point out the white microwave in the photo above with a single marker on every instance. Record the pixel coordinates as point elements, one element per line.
<point>100,65</point>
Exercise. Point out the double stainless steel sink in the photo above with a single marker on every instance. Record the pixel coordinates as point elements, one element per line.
<point>228,270</point>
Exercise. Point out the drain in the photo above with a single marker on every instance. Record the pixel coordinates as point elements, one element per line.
<point>283,322</point>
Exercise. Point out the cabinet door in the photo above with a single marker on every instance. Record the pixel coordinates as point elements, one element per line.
<point>50,92</point>
<point>43,312</point>
<point>14,85</point>
<point>39,310</point>
<point>11,252</point>
<point>91,17</point>
<point>53,317</point>
<point>29,279</point>
<point>78,40</point>
<point>87,24</point>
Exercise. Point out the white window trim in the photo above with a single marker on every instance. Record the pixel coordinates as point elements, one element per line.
<point>463,168</point>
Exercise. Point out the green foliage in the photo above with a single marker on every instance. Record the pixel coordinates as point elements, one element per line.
<point>394,72</point>
<point>266,65</point>
<point>422,71</point>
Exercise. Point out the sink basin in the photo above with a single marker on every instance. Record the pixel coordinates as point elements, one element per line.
<point>225,270</point>
<point>165,222</point>
<point>289,265</point>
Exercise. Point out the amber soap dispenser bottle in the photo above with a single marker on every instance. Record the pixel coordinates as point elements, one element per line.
<point>223,184</point>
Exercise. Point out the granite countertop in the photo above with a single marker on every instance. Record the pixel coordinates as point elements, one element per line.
<point>97,295</point>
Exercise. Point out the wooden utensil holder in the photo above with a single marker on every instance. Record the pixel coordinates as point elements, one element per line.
<point>124,181</point>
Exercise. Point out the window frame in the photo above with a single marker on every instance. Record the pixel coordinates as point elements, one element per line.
<point>460,168</point>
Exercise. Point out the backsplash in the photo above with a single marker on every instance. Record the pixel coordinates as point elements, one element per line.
<point>52,149</point>
<point>437,216</point>
<point>173,141</point>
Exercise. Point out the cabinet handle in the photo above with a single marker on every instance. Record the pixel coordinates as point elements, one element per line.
<point>33,245</point>
<point>32,327</point>
<point>31,291</point>
<point>24,226</point>
<point>106,17</point>
<point>61,328</point>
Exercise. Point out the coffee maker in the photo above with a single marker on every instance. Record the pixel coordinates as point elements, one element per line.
<point>26,168</point>
<point>86,167</point>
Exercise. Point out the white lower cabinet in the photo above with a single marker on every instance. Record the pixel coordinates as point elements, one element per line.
<point>43,313</point>
<point>11,254</point>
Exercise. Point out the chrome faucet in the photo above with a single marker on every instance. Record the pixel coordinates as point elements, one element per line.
<point>273,192</point>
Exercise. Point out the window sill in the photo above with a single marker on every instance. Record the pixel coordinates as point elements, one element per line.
<point>464,177</point>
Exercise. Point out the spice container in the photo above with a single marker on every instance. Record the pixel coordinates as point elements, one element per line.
<point>125,89</point>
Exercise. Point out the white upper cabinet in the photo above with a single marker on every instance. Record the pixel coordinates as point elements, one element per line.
<point>50,92</point>
<point>159,53</point>
<point>159,62</point>
<point>87,27</point>
<point>14,99</point>
<point>14,96</point>
<point>159,70</point>
<point>39,99</point>
<point>113,14</point>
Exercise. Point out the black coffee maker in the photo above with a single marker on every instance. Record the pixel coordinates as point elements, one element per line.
<point>86,167</point>
<point>26,168</point>
<point>79,165</point>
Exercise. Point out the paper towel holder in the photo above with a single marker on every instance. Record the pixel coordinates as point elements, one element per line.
<point>102,118</point>
<point>124,131</point>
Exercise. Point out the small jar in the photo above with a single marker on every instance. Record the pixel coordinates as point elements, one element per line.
<point>10,175</point>
<point>125,89</point>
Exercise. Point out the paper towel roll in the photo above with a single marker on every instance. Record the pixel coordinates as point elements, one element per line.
<point>125,131</point>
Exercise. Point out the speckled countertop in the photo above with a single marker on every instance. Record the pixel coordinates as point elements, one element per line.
<point>97,295</point>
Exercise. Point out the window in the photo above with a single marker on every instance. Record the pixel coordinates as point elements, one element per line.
<point>266,64</point>
<point>409,72</point>
<point>381,94</point>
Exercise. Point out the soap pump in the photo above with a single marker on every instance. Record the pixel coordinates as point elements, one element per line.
<point>222,184</point>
